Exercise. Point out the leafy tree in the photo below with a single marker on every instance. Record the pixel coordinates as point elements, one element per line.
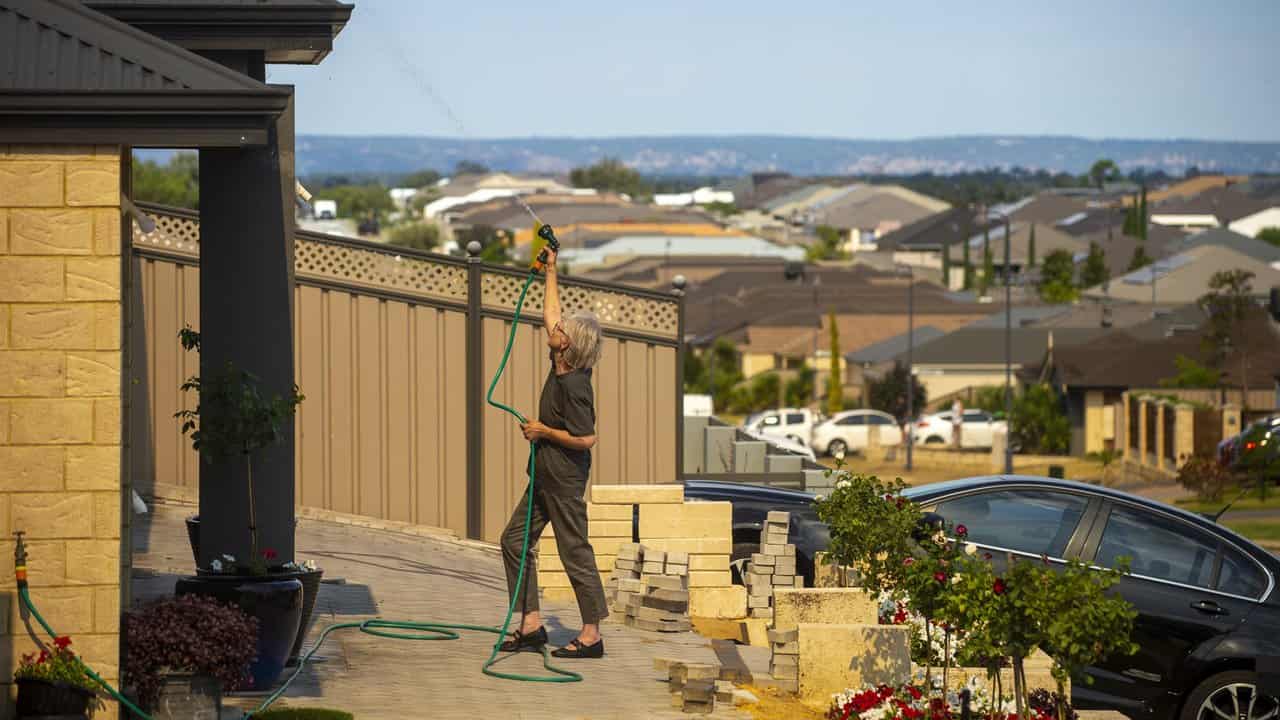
<point>990,398</point>
<point>968,268</point>
<point>416,235</point>
<point>871,525</point>
<point>799,389</point>
<point>723,371</point>
<point>1039,423</point>
<point>1102,171</point>
<point>1095,270</point>
<point>889,394</point>
<point>946,266</point>
<point>361,201</point>
<point>1142,216</point>
<point>695,372</point>
<point>835,388</point>
<point>1270,235</point>
<point>613,175</point>
<point>420,179</point>
<point>828,246</point>
<point>761,393</point>
<point>988,264</point>
<point>468,167</point>
<point>1140,258</point>
<point>1228,305</point>
<point>1192,374</point>
<point>722,209</point>
<point>176,183</point>
<point>1031,247</point>
<point>1057,283</point>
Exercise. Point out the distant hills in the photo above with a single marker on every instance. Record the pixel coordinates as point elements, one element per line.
<point>740,155</point>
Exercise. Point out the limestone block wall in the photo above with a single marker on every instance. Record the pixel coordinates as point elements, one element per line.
<point>60,397</point>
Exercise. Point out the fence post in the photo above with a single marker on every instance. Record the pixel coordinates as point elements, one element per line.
<point>1161,407</point>
<point>1142,431</point>
<point>475,400</point>
<point>677,289</point>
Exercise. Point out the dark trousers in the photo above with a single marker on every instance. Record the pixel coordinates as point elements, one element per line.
<point>568,515</point>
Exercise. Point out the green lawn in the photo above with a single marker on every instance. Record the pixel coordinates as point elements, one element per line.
<point>1257,530</point>
<point>1248,502</point>
<point>303,714</point>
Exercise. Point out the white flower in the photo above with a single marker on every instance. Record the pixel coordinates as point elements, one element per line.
<point>940,539</point>
<point>842,483</point>
<point>216,565</point>
<point>955,578</point>
<point>840,454</point>
<point>310,565</point>
<point>970,549</point>
<point>228,558</point>
<point>817,498</point>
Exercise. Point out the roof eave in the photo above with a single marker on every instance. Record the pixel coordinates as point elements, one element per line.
<point>187,118</point>
<point>287,34</point>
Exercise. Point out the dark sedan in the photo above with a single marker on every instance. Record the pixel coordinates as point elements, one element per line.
<point>1209,616</point>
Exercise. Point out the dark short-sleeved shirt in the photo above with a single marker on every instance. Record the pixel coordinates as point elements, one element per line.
<point>567,403</point>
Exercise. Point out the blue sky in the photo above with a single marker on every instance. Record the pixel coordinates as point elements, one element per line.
<point>1204,69</point>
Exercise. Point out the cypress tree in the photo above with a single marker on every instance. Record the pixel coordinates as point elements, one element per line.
<point>988,266</point>
<point>946,266</point>
<point>1031,248</point>
<point>968,268</point>
<point>835,388</point>
<point>1142,216</point>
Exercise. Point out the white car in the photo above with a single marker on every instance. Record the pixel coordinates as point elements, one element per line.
<point>977,430</point>
<point>795,424</point>
<point>782,443</point>
<point>848,431</point>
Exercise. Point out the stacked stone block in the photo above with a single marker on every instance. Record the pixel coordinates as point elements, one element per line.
<point>693,685</point>
<point>649,589</point>
<point>60,392</point>
<point>784,663</point>
<point>774,566</point>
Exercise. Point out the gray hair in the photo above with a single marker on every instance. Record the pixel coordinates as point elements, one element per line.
<point>583,331</point>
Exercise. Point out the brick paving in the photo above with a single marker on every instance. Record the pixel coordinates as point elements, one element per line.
<point>398,576</point>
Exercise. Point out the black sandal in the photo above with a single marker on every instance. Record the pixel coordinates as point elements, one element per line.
<point>531,642</point>
<point>576,649</point>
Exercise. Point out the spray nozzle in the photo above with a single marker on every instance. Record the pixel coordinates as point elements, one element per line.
<point>549,235</point>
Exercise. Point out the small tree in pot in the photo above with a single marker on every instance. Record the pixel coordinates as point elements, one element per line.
<point>233,417</point>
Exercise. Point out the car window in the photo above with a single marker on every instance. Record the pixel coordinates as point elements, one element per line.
<point>795,418</point>
<point>1031,521</point>
<point>879,420</point>
<point>976,416</point>
<point>853,420</point>
<point>945,417</point>
<point>770,421</point>
<point>1158,547</point>
<point>1240,575</point>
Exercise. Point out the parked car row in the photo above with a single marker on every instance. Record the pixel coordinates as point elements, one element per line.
<point>1208,614</point>
<point>850,431</point>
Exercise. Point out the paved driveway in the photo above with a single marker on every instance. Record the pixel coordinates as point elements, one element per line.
<point>399,576</point>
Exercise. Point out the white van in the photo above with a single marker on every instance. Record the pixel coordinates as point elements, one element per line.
<point>697,405</point>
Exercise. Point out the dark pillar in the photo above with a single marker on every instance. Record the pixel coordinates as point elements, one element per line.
<point>246,300</point>
<point>475,397</point>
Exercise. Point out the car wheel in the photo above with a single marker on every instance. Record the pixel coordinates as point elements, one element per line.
<point>1231,694</point>
<point>741,551</point>
<point>934,440</point>
<point>837,448</point>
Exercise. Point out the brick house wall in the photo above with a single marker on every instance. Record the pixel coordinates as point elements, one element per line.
<point>60,397</point>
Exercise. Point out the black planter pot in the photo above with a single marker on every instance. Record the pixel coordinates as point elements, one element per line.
<point>310,590</point>
<point>188,696</point>
<point>276,602</point>
<point>193,534</point>
<point>38,698</point>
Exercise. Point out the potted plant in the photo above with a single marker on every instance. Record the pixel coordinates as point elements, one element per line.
<point>184,651</point>
<point>233,418</point>
<point>53,682</point>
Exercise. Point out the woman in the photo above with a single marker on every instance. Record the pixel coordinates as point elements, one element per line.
<point>564,433</point>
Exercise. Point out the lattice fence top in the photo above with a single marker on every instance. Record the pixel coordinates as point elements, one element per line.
<point>616,309</point>
<point>387,271</point>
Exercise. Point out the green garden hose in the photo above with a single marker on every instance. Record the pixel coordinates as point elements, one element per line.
<point>394,629</point>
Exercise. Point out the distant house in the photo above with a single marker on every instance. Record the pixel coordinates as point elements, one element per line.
<point>1251,225</point>
<point>666,246</point>
<point>1221,237</point>
<point>1188,188</point>
<point>1215,207</point>
<point>700,196</point>
<point>974,357</point>
<point>864,213</point>
<point>1094,375</point>
<point>470,189</point>
<point>921,243</point>
<point>873,361</point>
<point>1048,240</point>
<point>1184,277</point>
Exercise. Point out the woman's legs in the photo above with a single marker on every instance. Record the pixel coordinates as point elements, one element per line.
<point>568,515</point>
<point>512,542</point>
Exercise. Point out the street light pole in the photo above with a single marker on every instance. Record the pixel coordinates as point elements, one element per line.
<point>1008,340</point>
<point>911,375</point>
<point>817,328</point>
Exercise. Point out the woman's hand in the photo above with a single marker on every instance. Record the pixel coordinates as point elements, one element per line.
<point>551,258</point>
<point>535,430</point>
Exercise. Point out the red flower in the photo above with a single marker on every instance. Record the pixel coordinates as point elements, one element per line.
<point>998,587</point>
<point>888,497</point>
<point>63,642</point>
<point>986,556</point>
<point>961,530</point>
<point>269,554</point>
<point>901,502</point>
<point>940,576</point>
<point>914,692</point>
<point>908,561</point>
<point>44,656</point>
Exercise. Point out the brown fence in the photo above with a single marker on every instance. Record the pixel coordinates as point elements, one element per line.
<point>1134,423</point>
<point>1260,399</point>
<point>1167,451</point>
<point>1208,426</point>
<point>393,350</point>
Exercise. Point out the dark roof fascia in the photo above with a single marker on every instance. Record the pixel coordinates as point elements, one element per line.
<point>288,33</point>
<point>183,118</point>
